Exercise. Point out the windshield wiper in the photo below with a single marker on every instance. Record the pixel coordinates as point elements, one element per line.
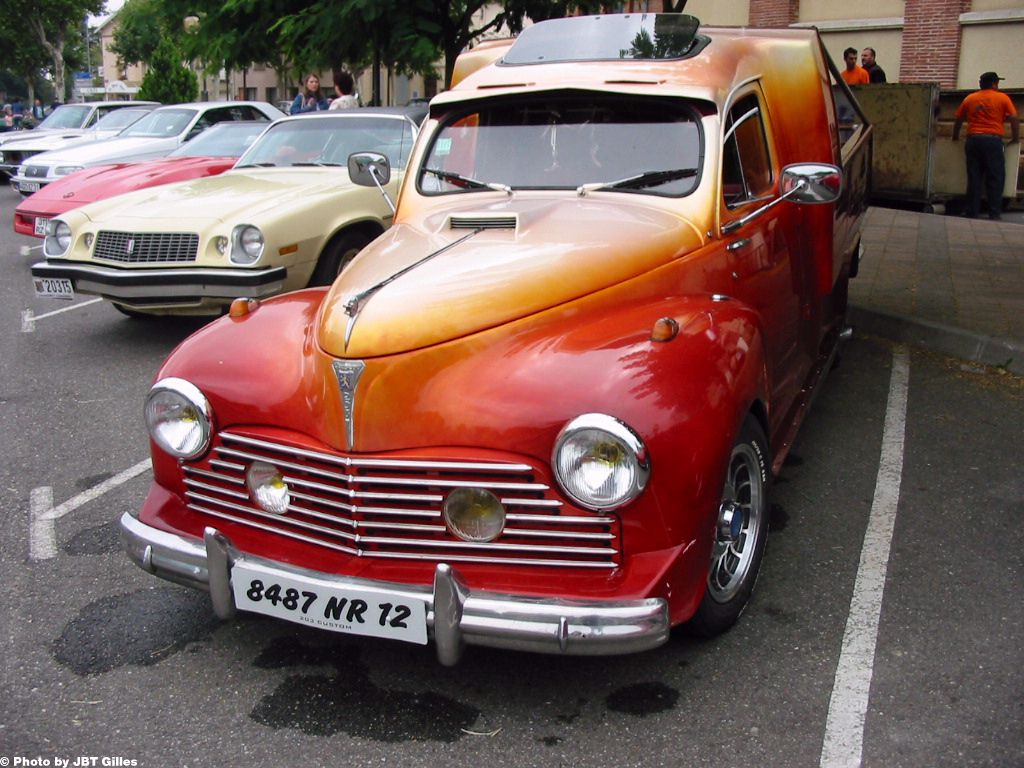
<point>465,181</point>
<point>258,165</point>
<point>640,181</point>
<point>322,163</point>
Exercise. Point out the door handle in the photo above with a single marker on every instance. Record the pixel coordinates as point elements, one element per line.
<point>736,245</point>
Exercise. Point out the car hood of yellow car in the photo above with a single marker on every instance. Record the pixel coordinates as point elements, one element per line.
<point>436,279</point>
<point>238,196</point>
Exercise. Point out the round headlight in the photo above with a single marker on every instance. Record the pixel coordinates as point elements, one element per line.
<point>268,487</point>
<point>600,462</point>
<point>179,418</point>
<point>58,238</point>
<point>64,170</point>
<point>248,244</point>
<point>474,514</point>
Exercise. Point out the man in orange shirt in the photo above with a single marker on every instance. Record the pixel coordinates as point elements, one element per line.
<point>853,74</point>
<point>985,111</point>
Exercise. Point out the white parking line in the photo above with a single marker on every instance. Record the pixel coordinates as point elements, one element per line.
<point>844,729</point>
<point>43,515</point>
<point>28,318</point>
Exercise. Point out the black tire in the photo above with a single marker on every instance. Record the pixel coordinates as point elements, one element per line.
<point>736,555</point>
<point>336,256</point>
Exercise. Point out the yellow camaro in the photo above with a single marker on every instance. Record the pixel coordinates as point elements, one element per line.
<point>285,217</point>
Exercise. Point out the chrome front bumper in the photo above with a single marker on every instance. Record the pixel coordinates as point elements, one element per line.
<point>168,283</point>
<point>455,615</point>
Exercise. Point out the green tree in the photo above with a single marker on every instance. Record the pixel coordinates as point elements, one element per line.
<point>53,25</point>
<point>141,26</point>
<point>168,80</point>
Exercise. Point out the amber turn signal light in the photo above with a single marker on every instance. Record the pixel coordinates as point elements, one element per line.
<point>242,307</point>
<point>665,329</point>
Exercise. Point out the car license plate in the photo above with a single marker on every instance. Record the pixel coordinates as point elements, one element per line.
<point>54,288</point>
<point>28,186</point>
<point>40,226</point>
<point>318,603</point>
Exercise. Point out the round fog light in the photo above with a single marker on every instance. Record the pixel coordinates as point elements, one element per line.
<point>474,514</point>
<point>268,488</point>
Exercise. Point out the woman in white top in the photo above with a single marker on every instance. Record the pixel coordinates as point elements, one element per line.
<point>344,87</point>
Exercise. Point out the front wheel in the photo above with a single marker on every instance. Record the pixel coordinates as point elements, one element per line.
<point>740,534</point>
<point>336,256</point>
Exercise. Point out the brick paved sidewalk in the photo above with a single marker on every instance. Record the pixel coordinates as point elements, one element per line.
<point>943,274</point>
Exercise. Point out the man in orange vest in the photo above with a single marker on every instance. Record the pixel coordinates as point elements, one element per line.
<point>985,111</point>
<point>854,74</point>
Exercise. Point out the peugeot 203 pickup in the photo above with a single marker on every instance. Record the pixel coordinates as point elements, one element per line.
<point>542,411</point>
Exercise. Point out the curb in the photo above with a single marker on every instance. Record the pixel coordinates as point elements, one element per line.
<point>974,347</point>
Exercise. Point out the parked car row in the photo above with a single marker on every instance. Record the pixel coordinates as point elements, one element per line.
<point>537,404</point>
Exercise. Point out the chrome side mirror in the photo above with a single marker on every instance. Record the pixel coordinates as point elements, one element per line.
<point>812,183</point>
<point>371,169</point>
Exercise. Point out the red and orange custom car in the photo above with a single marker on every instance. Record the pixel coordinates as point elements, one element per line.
<point>543,410</point>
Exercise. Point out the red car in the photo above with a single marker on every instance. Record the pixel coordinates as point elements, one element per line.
<point>214,151</point>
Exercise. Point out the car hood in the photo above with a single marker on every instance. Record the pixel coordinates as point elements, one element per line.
<point>109,151</point>
<point>228,197</point>
<point>439,279</point>
<point>103,181</point>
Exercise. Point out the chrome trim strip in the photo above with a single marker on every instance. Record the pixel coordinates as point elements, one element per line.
<point>267,516</point>
<point>455,614</point>
<point>409,464</point>
<point>380,480</point>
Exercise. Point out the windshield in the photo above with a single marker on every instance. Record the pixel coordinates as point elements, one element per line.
<point>160,124</point>
<point>330,140</point>
<point>222,140</point>
<point>568,142</point>
<point>66,116</point>
<point>118,119</point>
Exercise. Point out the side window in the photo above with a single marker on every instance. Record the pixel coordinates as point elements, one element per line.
<point>746,162</point>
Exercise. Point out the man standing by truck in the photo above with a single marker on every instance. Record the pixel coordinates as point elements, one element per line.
<point>985,111</point>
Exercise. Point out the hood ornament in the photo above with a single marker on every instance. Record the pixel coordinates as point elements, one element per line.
<point>348,373</point>
<point>356,303</point>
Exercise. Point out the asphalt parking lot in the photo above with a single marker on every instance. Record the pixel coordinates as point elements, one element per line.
<point>887,628</point>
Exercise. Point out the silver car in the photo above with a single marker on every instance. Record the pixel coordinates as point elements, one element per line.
<point>65,119</point>
<point>155,135</point>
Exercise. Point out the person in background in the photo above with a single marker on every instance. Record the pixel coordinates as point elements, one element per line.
<point>985,111</point>
<point>38,110</point>
<point>344,88</point>
<point>867,60</point>
<point>18,109</point>
<point>7,119</point>
<point>309,98</point>
<point>853,74</point>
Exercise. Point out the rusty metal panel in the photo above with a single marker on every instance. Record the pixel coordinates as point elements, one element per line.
<point>903,116</point>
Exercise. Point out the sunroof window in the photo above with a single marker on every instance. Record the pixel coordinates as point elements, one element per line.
<point>649,36</point>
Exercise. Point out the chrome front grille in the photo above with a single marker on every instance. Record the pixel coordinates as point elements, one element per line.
<point>391,508</point>
<point>146,247</point>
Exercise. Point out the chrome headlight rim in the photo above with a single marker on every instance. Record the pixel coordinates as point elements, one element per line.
<point>66,170</point>
<point>192,397</point>
<point>247,244</point>
<point>622,434</point>
<point>58,238</point>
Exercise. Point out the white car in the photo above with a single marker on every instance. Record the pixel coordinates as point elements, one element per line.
<point>155,135</point>
<point>15,153</point>
<point>67,117</point>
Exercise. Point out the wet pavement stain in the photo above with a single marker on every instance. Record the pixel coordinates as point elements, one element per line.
<point>349,702</point>
<point>778,518</point>
<point>138,628</point>
<point>643,699</point>
<point>101,540</point>
<point>550,741</point>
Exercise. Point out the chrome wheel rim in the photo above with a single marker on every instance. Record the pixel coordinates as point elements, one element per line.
<point>742,511</point>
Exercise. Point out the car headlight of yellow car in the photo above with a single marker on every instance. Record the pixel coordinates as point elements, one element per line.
<point>179,418</point>
<point>246,244</point>
<point>58,238</point>
<point>600,462</point>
